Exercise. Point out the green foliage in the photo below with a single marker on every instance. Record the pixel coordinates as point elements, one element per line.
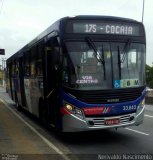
<point>149,76</point>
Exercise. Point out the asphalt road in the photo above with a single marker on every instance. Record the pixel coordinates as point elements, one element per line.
<point>21,135</point>
<point>20,138</point>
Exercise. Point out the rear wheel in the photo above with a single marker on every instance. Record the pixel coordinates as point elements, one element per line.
<point>42,112</point>
<point>19,108</point>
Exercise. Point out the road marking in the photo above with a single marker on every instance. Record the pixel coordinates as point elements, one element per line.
<point>49,143</point>
<point>137,131</point>
<point>148,116</point>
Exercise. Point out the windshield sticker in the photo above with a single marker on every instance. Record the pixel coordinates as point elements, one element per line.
<point>125,83</point>
<point>117,84</point>
<point>108,54</point>
<point>87,80</point>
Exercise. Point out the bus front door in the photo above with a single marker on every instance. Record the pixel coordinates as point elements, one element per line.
<point>51,85</point>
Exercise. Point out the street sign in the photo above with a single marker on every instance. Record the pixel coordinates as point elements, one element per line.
<point>2,51</point>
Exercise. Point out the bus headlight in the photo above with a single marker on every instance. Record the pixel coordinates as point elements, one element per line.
<point>141,106</point>
<point>69,107</point>
<point>74,110</point>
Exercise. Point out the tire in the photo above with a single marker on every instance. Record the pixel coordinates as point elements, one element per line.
<point>19,108</point>
<point>42,113</point>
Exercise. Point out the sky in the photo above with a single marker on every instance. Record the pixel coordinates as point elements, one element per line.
<point>22,20</point>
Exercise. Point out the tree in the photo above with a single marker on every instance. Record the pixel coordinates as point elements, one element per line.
<point>149,76</point>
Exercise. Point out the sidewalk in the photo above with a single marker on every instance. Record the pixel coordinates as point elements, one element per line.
<point>18,141</point>
<point>4,96</point>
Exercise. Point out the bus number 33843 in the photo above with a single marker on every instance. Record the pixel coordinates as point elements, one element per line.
<point>128,108</point>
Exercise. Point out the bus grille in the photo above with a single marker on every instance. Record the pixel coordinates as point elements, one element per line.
<point>107,96</point>
<point>101,121</point>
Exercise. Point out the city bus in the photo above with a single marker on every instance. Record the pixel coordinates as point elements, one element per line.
<point>82,73</point>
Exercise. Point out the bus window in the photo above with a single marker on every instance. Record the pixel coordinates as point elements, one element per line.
<point>27,64</point>
<point>33,69</point>
<point>15,69</point>
<point>33,58</point>
<point>39,69</point>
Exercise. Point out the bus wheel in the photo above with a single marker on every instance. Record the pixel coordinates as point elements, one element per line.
<point>42,112</point>
<point>19,108</point>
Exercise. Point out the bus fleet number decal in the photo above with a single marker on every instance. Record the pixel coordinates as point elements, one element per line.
<point>129,108</point>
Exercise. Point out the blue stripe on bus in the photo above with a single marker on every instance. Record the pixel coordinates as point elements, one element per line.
<point>117,108</point>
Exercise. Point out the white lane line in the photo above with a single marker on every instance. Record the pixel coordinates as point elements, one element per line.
<point>148,116</point>
<point>146,134</point>
<point>49,143</point>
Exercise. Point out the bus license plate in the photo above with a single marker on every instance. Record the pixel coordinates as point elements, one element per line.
<point>112,121</point>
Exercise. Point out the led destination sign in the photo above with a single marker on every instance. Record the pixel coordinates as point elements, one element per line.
<point>105,28</point>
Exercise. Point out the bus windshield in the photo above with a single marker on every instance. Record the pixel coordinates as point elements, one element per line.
<point>113,66</point>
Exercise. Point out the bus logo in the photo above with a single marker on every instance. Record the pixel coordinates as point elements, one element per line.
<point>113,100</point>
<point>97,110</point>
<point>107,110</point>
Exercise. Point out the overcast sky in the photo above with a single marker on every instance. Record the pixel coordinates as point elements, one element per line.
<point>22,20</point>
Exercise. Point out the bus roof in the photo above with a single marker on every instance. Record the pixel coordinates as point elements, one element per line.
<point>56,27</point>
<point>100,17</point>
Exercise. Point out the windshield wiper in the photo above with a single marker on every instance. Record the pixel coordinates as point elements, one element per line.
<point>126,49</point>
<point>97,54</point>
<point>119,62</point>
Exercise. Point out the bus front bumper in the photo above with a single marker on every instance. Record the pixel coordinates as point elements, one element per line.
<point>72,123</point>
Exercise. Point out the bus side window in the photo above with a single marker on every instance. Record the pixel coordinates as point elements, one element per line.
<point>32,69</point>
<point>15,68</point>
<point>39,69</point>
<point>33,58</point>
<point>65,70</point>
<point>27,64</point>
<point>27,70</point>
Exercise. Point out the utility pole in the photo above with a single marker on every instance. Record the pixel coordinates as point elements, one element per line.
<point>143,10</point>
<point>3,66</point>
<point>2,72</point>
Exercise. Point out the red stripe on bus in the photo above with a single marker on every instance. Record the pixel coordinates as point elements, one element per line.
<point>93,110</point>
<point>64,111</point>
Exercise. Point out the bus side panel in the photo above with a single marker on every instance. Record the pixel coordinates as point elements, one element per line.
<point>11,84</point>
<point>33,78</point>
<point>27,94</point>
<point>36,92</point>
<point>8,82</point>
<point>17,90</point>
<point>33,93</point>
